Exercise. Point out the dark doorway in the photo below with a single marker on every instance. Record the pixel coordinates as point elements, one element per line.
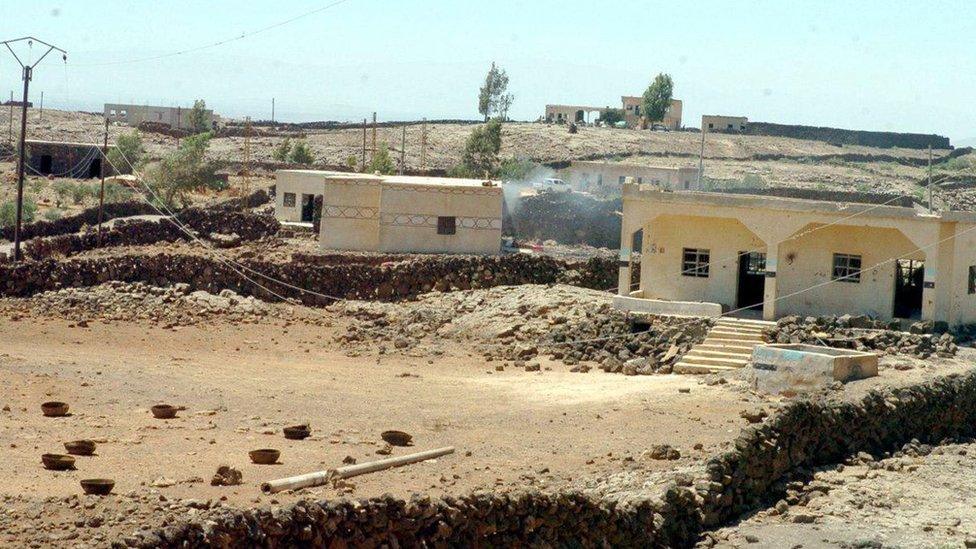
<point>46,161</point>
<point>636,247</point>
<point>580,116</point>
<point>909,282</point>
<point>308,207</point>
<point>752,280</point>
<point>95,168</point>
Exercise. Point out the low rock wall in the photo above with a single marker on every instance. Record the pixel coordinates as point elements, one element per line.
<point>803,435</point>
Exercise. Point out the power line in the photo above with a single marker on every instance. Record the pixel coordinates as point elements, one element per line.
<point>219,43</point>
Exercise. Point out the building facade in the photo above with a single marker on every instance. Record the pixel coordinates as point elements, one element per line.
<point>634,114</point>
<point>69,160</point>
<point>579,114</point>
<point>133,115</point>
<point>605,178</point>
<point>717,123</point>
<point>703,253</point>
<point>397,213</point>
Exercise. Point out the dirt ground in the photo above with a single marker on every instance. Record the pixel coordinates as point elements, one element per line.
<point>241,384</point>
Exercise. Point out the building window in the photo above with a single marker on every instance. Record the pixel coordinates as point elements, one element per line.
<point>710,125</point>
<point>289,199</point>
<point>446,225</point>
<point>972,279</point>
<point>687,185</point>
<point>694,262</point>
<point>621,179</point>
<point>599,179</point>
<point>640,180</point>
<point>847,268</point>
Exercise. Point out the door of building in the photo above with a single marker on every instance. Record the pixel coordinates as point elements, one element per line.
<point>909,283</point>
<point>752,280</point>
<point>308,207</point>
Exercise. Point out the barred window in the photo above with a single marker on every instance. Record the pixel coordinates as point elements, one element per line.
<point>446,225</point>
<point>972,279</point>
<point>289,199</point>
<point>847,268</point>
<point>694,262</point>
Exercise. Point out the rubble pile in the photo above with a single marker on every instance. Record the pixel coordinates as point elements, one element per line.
<point>862,333</point>
<point>522,323</point>
<point>172,306</point>
<point>962,199</point>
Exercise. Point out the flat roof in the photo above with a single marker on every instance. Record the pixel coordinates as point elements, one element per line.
<point>652,193</point>
<point>400,179</point>
<point>628,165</point>
<point>65,143</point>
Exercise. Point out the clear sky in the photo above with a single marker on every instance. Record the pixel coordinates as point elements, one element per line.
<point>891,65</point>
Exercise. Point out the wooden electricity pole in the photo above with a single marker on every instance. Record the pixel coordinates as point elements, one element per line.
<point>701,160</point>
<point>403,150</point>
<point>372,152</point>
<point>247,161</point>
<point>423,148</point>
<point>363,168</point>
<point>101,192</point>
<point>930,179</point>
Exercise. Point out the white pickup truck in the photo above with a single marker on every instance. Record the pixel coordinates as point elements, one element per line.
<point>551,185</point>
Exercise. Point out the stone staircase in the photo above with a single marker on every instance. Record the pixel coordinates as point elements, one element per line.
<point>727,346</point>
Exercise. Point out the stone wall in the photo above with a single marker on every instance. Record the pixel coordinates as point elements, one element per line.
<point>805,434</point>
<point>831,196</point>
<point>349,280</point>
<point>74,223</point>
<point>850,137</point>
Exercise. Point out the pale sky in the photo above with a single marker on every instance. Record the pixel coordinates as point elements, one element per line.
<point>893,65</point>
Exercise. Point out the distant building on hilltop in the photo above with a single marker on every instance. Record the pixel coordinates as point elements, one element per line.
<point>718,123</point>
<point>61,159</point>
<point>630,105</point>
<point>608,177</point>
<point>174,117</point>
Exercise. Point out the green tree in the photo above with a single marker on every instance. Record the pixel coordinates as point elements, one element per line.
<point>184,170</point>
<point>657,97</point>
<point>492,97</point>
<point>282,150</point>
<point>382,162</point>
<point>199,121</point>
<point>482,147</point>
<point>301,153</point>
<point>612,116</point>
<point>512,169</point>
<point>127,153</point>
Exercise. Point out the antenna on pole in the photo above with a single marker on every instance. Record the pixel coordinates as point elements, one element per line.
<point>28,72</point>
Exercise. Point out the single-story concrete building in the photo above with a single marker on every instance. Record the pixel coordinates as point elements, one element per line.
<point>633,104</point>
<point>580,114</point>
<point>607,177</point>
<point>63,159</point>
<point>703,253</point>
<point>396,213</point>
<point>718,123</point>
<point>174,117</point>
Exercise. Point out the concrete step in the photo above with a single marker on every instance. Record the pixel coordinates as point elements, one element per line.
<point>751,343</point>
<point>737,328</point>
<point>746,322</point>
<point>718,353</point>
<point>731,347</point>
<point>687,368</point>
<point>692,358</point>
<point>726,334</point>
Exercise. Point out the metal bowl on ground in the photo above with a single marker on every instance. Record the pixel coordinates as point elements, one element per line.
<point>297,432</point>
<point>396,438</point>
<point>58,462</point>
<point>264,456</point>
<point>54,409</point>
<point>164,411</point>
<point>98,486</point>
<point>80,447</point>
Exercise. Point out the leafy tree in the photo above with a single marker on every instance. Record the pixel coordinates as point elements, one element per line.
<point>492,97</point>
<point>184,170</point>
<point>301,153</point>
<point>127,153</point>
<point>199,122</point>
<point>657,97</point>
<point>612,116</point>
<point>8,212</point>
<point>512,169</point>
<point>282,150</point>
<point>382,162</point>
<point>481,148</point>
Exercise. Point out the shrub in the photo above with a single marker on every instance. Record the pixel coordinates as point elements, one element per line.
<point>382,162</point>
<point>8,212</point>
<point>53,214</point>
<point>282,151</point>
<point>115,192</point>
<point>184,170</point>
<point>301,153</point>
<point>128,152</point>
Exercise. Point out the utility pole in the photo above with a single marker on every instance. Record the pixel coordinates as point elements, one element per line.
<point>423,148</point>
<point>28,73</point>
<point>40,113</point>
<point>364,146</point>
<point>403,150</point>
<point>930,179</point>
<point>247,161</point>
<point>10,133</point>
<point>272,110</point>
<point>372,153</point>
<point>101,193</point>
<point>701,160</point>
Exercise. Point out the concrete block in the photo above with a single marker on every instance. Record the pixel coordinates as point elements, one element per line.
<point>800,368</point>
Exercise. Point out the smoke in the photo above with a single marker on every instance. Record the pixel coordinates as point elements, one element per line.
<point>513,191</point>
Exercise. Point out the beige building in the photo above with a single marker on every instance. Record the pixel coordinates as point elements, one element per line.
<point>634,115</point>
<point>133,115</point>
<point>702,253</point>
<point>714,122</point>
<point>564,114</point>
<point>395,213</point>
<point>608,177</point>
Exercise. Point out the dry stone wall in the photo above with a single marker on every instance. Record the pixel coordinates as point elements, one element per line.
<point>74,223</point>
<point>805,434</point>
